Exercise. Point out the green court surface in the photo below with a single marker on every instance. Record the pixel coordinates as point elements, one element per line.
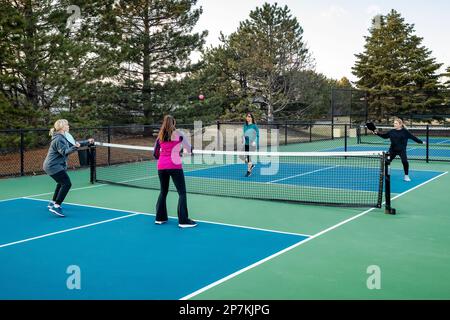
<point>411,249</point>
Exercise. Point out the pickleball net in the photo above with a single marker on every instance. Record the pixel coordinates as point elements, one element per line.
<point>353,179</point>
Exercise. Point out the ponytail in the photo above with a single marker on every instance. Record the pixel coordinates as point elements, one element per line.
<point>59,124</point>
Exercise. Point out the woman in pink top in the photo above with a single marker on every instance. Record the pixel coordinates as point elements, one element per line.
<point>167,150</point>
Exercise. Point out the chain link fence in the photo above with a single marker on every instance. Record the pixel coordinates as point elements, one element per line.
<point>22,152</point>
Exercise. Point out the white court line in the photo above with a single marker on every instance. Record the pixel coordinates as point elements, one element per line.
<point>133,213</point>
<point>174,218</point>
<point>66,230</point>
<point>195,293</point>
<point>445,141</point>
<point>50,193</point>
<point>10,199</point>
<point>303,174</point>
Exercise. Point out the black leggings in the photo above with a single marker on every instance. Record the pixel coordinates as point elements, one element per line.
<point>403,157</point>
<point>178,179</point>
<point>63,186</point>
<point>247,149</point>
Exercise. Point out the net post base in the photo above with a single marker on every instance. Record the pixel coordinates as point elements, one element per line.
<point>390,211</point>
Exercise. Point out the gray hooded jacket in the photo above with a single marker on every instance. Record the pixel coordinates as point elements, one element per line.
<point>57,155</point>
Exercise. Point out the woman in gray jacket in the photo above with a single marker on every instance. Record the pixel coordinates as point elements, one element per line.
<point>55,164</point>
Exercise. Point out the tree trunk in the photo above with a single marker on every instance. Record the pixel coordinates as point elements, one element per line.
<point>269,113</point>
<point>31,80</point>
<point>146,88</point>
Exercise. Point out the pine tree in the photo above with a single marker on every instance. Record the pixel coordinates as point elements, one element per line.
<point>262,57</point>
<point>447,83</point>
<point>396,69</point>
<point>46,65</point>
<point>155,40</point>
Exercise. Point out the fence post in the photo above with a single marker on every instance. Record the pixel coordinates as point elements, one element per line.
<point>285,132</point>
<point>22,154</point>
<point>310,131</point>
<point>427,147</point>
<point>218,135</point>
<point>109,149</point>
<point>366,104</point>
<point>345,137</point>
<point>332,114</point>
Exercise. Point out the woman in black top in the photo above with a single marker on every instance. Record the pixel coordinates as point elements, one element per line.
<point>399,139</point>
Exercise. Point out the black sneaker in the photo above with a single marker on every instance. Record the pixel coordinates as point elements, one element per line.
<point>249,173</point>
<point>189,224</point>
<point>160,221</point>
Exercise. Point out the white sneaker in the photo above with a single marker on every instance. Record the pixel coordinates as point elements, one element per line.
<point>189,224</point>
<point>407,178</point>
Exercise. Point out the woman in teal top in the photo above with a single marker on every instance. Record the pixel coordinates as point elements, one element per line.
<point>251,140</point>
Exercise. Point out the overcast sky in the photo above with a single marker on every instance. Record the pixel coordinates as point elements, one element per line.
<point>335,30</point>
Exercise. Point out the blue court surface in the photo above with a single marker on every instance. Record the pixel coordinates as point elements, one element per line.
<point>431,140</point>
<point>119,254</point>
<point>305,175</point>
<point>317,176</point>
<point>413,151</point>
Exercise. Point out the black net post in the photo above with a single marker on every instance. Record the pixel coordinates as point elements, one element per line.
<point>93,163</point>
<point>387,178</point>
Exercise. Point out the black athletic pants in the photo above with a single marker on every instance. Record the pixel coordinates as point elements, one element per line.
<point>63,186</point>
<point>178,180</point>
<point>403,157</point>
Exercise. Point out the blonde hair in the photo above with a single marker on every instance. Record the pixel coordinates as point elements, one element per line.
<point>400,121</point>
<point>167,128</point>
<point>59,125</point>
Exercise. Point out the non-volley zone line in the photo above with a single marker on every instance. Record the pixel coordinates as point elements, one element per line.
<point>129,214</point>
<point>318,234</point>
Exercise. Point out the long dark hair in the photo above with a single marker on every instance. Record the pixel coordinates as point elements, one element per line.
<point>167,128</point>
<point>251,115</point>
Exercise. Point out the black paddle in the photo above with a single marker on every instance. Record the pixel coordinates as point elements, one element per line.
<point>371,126</point>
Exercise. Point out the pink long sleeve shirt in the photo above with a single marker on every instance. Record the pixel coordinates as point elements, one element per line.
<point>169,151</point>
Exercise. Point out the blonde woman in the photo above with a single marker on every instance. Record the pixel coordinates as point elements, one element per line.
<point>55,164</point>
<point>399,140</point>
